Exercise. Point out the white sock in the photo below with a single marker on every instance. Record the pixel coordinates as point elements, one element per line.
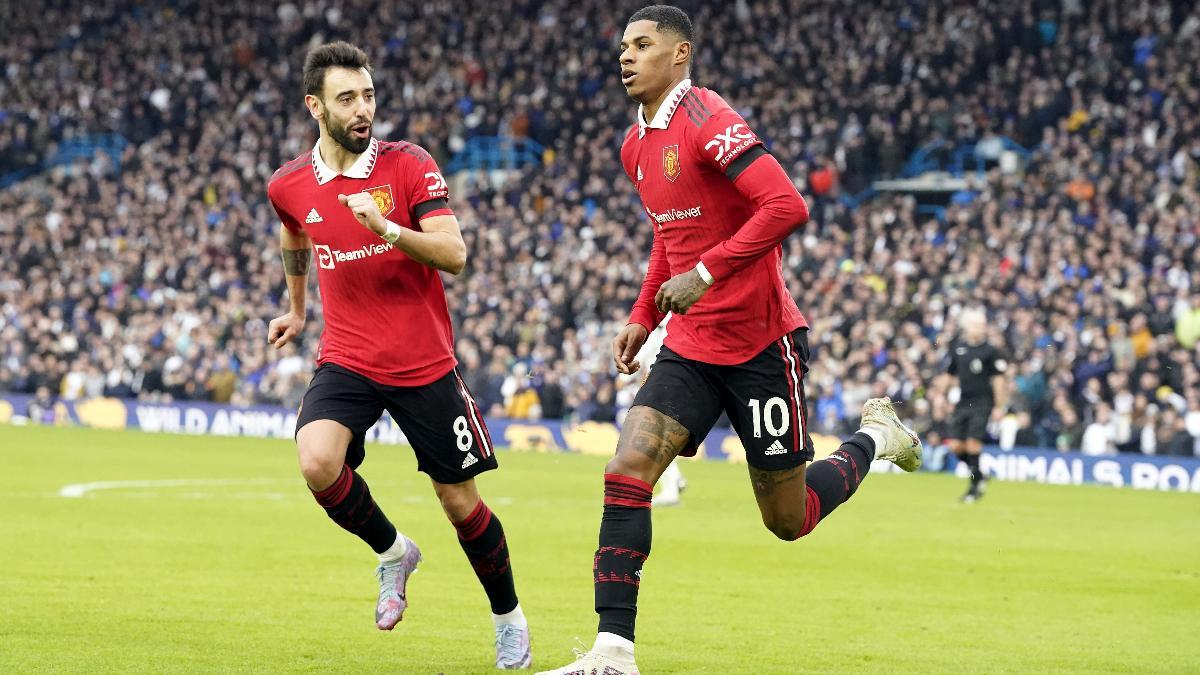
<point>613,643</point>
<point>669,481</point>
<point>876,436</point>
<point>515,618</point>
<point>396,551</point>
<point>668,484</point>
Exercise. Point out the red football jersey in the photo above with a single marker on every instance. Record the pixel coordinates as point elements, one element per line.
<point>385,314</point>
<point>678,161</point>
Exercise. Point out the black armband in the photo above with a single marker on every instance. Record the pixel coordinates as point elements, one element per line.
<point>737,166</point>
<point>430,206</point>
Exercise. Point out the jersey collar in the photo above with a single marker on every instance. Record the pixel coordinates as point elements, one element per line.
<point>666,111</point>
<point>361,168</point>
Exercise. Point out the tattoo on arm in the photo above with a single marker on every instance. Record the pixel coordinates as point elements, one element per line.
<point>766,482</point>
<point>295,261</point>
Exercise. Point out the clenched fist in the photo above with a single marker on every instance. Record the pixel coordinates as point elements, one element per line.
<point>365,210</point>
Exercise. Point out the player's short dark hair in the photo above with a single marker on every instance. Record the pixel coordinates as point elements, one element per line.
<point>331,55</point>
<point>669,19</point>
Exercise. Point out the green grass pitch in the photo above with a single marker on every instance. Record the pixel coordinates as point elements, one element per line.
<point>240,571</point>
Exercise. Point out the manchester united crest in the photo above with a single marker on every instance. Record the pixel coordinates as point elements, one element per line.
<point>671,167</point>
<point>383,198</point>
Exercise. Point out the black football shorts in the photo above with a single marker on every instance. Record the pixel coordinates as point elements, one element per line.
<point>969,420</point>
<point>763,397</point>
<point>440,419</point>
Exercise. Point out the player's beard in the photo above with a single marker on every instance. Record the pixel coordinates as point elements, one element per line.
<point>345,139</point>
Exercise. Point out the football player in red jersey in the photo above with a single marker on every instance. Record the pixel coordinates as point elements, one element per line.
<point>378,216</point>
<point>719,205</point>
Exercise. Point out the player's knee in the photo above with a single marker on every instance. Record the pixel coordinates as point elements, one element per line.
<point>457,503</point>
<point>787,527</point>
<point>319,468</point>
<point>631,464</point>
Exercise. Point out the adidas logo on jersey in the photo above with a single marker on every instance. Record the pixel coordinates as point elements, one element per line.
<point>469,460</point>
<point>314,217</point>
<point>776,449</point>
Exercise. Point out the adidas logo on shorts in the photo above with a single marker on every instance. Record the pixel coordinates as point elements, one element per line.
<point>469,460</point>
<point>776,449</point>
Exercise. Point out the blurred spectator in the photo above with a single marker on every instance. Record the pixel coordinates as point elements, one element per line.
<point>1172,436</point>
<point>41,407</point>
<point>1099,436</point>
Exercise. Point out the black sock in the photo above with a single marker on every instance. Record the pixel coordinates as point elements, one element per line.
<point>972,462</point>
<point>482,539</point>
<point>624,545</point>
<point>833,480</point>
<point>348,502</point>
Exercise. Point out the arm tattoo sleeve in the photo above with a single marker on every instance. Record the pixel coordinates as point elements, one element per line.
<point>295,261</point>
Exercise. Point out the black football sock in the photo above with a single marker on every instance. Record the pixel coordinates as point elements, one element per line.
<point>965,458</point>
<point>624,546</point>
<point>349,504</point>
<point>972,462</point>
<point>833,480</point>
<point>482,539</point>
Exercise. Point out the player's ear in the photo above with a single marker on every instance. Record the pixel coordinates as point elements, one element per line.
<point>315,107</point>
<point>683,53</point>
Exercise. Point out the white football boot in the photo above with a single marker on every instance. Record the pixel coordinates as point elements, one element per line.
<point>901,445</point>
<point>599,661</point>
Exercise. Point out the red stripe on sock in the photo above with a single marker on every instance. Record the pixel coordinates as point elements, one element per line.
<point>602,578</point>
<point>812,512</point>
<point>626,491</point>
<point>629,481</point>
<point>334,494</point>
<point>631,503</point>
<point>474,525</point>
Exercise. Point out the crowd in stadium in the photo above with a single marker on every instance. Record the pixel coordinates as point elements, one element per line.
<point>151,270</point>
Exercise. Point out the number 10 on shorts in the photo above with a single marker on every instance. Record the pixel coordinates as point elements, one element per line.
<point>765,415</point>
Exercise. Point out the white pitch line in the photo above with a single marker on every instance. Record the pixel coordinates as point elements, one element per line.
<point>82,489</point>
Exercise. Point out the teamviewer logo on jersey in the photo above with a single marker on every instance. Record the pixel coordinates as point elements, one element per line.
<point>328,258</point>
<point>324,256</point>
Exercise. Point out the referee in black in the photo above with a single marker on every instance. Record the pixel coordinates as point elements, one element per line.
<point>979,367</point>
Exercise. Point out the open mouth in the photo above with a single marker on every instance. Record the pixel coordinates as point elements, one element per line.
<point>627,77</point>
<point>361,130</point>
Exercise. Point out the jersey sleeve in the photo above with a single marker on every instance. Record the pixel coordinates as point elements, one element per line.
<point>730,147</point>
<point>658,270</point>
<point>425,192</point>
<point>285,218</point>
<point>724,137</point>
<point>998,365</point>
